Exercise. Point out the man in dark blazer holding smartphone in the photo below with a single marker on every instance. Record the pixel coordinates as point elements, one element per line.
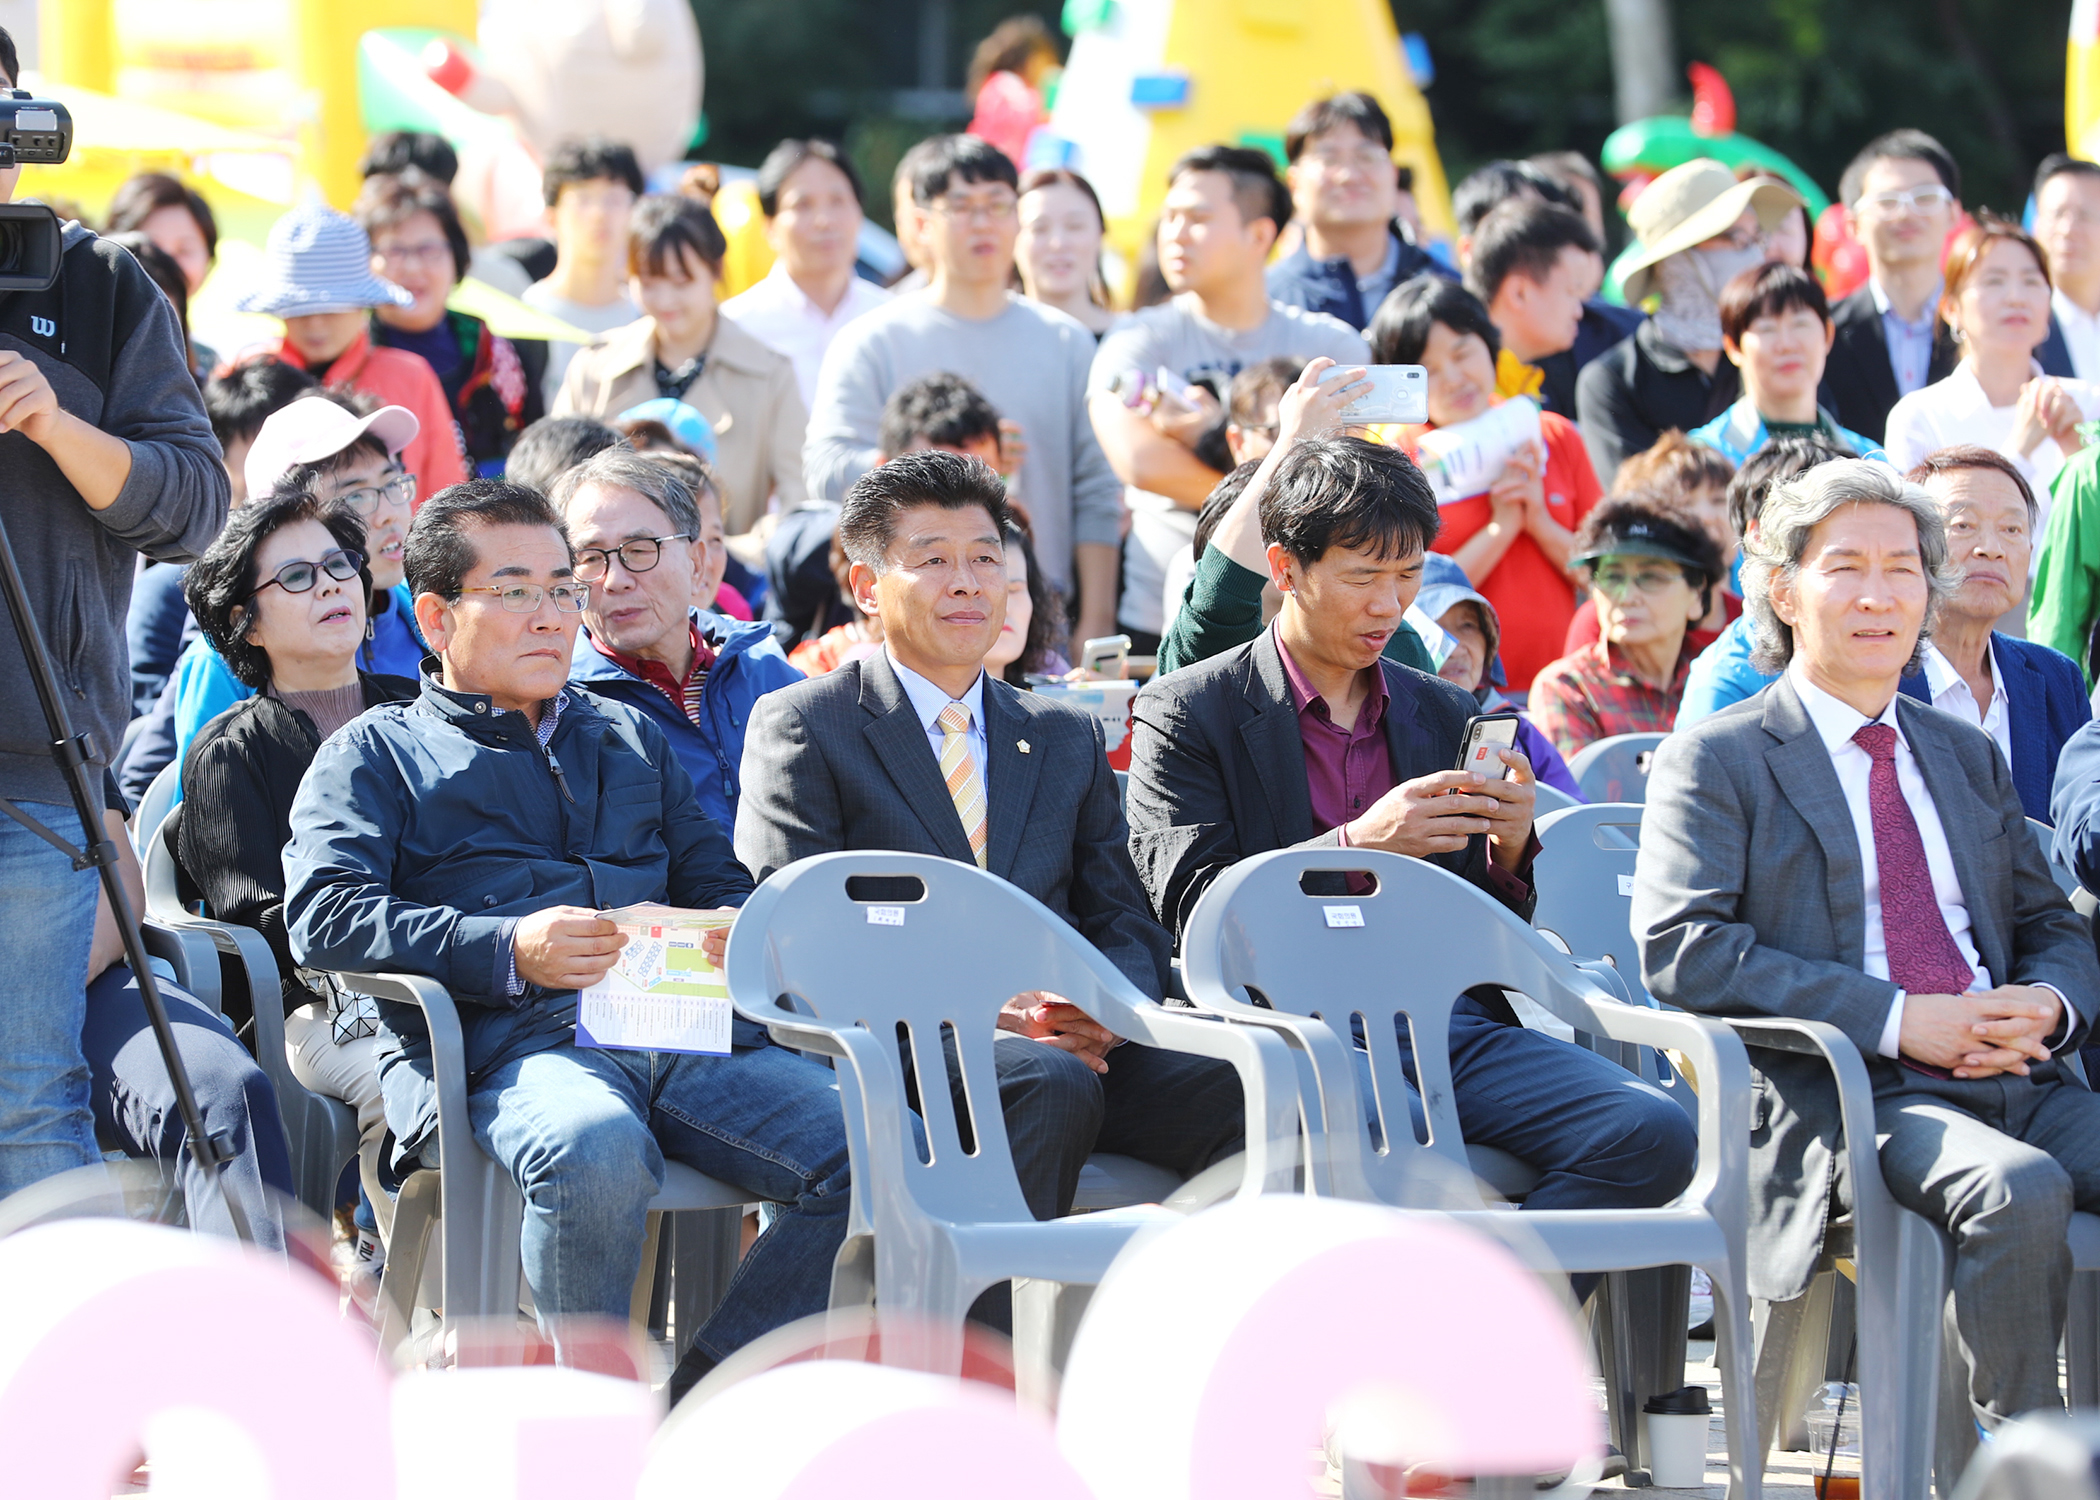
<point>1306,737</point>
<point>919,749</point>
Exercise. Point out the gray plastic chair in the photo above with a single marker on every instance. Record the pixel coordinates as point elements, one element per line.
<point>1551,799</point>
<point>809,959</point>
<point>1911,1420</point>
<point>161,797</point>
<point>2045,836</point>
<point>1584,879</point>
<point>1426,938</point>
<point>321,1132</point>
<point>475,1209</point>
<point>1615,769</point>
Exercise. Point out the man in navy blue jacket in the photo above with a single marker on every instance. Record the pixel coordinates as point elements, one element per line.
<point>473,835</point>
<point>649,547</point>
<point>1345,197</point>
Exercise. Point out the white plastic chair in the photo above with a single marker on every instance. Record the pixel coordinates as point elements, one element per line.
<point>1615,769</point>
<point>161,797</point>
<point>833,972</point>
<point>320,1132</point>
<point>477,1213</point>
<point>1259,949</point>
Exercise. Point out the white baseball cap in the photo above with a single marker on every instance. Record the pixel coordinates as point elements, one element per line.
<point>313,428</point>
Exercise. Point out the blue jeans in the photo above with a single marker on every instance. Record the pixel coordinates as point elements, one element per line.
<point>584,1134</point>
<point>47,910</point>
<point>134,1102</point>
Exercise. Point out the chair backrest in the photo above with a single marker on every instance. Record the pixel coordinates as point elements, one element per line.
<point>1615,769</point>
<point>1403,953</point>
<point>162,795</point>
<point>1584,879</point>
<point>919,951</point>
<point>2044,835</point>
<point>1552,799</point>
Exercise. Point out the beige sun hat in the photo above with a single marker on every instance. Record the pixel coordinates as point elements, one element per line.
<point>1689,205</point>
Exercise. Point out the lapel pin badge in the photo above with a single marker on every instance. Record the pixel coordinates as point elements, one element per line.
<point>1022,746</point>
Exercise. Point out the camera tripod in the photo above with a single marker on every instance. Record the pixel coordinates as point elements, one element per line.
<point>71,753</point>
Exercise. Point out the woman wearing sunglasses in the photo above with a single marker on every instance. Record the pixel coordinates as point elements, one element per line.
<point>283,596</point>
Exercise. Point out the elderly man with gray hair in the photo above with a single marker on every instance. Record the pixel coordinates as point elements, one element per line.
<point>1835,851</point>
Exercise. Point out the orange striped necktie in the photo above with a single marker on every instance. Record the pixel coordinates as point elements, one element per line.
<point>959,770</point>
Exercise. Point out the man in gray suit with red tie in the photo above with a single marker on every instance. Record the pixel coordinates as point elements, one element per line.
<point>919,749</point>
<point>1834,851</point>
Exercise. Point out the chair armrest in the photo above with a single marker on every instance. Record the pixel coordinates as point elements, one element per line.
<point>1872,1208</point>
<point>448,1053</point>
<point>1268,1084</point>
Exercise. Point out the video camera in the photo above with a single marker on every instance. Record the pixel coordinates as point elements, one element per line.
<point>40,132</point>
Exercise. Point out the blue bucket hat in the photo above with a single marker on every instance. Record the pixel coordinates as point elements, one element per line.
<point>319,261</point>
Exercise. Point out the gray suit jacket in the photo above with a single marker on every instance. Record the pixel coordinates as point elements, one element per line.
<point>842,762</point>
<point>1750,899</point>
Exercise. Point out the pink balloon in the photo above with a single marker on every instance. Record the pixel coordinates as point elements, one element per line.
<point>111,1323</point>
<point>1216,1354</point>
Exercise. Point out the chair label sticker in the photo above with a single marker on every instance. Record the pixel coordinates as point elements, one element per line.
<point>1626,885</point>
<point>886,916</point>
<point>1344,916</point>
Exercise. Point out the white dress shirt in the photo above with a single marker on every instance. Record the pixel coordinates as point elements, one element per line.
<point>927,701</point>
<point>1951,692</point>
<point>2081,335</point>
<point>1836,722</point>
<point>779,314</point>
<point>1956,410</point>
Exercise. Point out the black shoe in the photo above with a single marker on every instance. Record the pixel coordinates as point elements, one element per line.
<point>1703,1331</point>
<point>691,1370</point>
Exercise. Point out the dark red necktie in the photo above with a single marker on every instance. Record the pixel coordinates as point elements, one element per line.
<point>1922,954</point>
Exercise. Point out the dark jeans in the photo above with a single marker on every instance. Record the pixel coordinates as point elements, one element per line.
<point>134,1102</point>
<point>1597,1136</point>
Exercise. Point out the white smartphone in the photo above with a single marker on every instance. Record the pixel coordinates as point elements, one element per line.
<point>1390,393</point>
<point>1485,734</point>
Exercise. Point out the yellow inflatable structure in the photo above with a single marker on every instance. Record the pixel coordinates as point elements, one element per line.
<point>2082,82</point>
<point>1150,79</point>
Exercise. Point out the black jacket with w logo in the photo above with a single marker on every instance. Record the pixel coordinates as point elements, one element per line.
<point>110,346</point>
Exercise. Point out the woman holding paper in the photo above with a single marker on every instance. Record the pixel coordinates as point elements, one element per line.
<point>284,596</point>
<point>1513,483</point>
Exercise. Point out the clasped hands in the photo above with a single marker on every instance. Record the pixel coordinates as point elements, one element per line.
<point>1057,1022</point>
<point>1980,1035</point>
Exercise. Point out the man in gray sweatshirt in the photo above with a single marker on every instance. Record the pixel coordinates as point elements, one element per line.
<point>1030,361</point>
<point>105,452</point>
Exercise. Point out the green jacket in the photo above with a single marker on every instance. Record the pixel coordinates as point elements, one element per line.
<point>2068,579</point>
<point>1221,608</point>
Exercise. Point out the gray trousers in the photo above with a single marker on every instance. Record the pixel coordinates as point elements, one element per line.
<point>1999,1163</point>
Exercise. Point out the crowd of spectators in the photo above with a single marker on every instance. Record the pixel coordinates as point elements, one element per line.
<point>504,633</point>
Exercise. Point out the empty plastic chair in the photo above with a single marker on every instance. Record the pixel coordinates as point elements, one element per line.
<point>866,956</point>
<point>1615,769</point>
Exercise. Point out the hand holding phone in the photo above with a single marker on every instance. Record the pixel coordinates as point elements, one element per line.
<point>1485,735</point>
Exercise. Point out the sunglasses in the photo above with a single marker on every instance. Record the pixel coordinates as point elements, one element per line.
<point>299,577</point>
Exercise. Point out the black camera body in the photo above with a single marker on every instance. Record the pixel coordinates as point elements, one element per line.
<point>32,132</point>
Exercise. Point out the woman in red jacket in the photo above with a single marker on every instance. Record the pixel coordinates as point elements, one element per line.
<point>1512,538</point>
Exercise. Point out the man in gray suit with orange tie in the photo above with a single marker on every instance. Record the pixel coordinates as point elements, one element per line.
<point>919,749</point>
<point>1834,851</point>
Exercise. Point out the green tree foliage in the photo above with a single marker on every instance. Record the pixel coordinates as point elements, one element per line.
<point>1815,79</point>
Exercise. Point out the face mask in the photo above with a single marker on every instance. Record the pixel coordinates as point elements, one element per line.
<point>1691,282</point>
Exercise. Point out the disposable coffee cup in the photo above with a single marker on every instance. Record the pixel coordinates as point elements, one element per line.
<point>1677,1427</point>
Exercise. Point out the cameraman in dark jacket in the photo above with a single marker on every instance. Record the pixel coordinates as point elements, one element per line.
<point>105,452</point>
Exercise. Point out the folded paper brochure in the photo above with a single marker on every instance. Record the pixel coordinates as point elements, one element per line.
<point>663,995</point>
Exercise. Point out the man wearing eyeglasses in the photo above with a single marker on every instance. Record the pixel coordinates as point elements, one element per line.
<point>324,444</point>
<point>474,835</point>
<point>652,552</point>
<point>1902,197</point>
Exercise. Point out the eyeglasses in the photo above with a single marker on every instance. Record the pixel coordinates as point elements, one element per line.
<point>526,598</point>
<point>637,556</point>
<point>1369,156</point>
<point>300,577</point>
<point>1649,581</point>
<point>991,211</point>
<point>424,254</point>
<point>1920,200</point>
<point>1745,237</point>
<point>399,490</point>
